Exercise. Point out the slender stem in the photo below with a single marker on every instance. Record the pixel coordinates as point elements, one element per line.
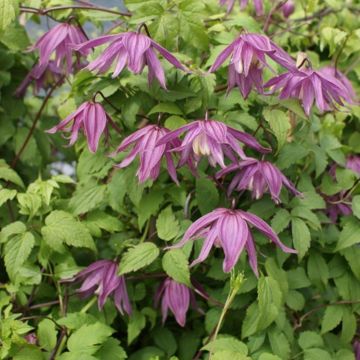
<point>271,12</point>
<point>88,305</point>
<point>36,119</point>
<point>72,7</point>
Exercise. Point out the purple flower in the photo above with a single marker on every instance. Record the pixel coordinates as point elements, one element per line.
<point>60,40</point>
<point>248,59</point>
<point>43,76</point>
<point>132,49</point>
<point>353,163</point>
<point>147,147</point>
<point>175,297</point>
<point>356,347</point>
<point>332,72</point>
<point>31,338</point>
<point>336,206</point>
<point>90,116</point>
<point>212,139</point>
<point>310,86</point>
<point>101,278</point>
<point>230,230</point>
<point>259,8</point>
<point>288,8</point>
<point>258,176</point>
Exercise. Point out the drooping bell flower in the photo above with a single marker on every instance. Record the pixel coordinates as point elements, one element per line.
<point>212,139</point>
<point>248,59</point>
<point>310,86</point>
<point>258,176</point>
<point>230,230</point>
<point>337,205</point>
<point>175,297</point>
<point>259,8</point>
<point>101,278</point>
<point>91,117</point>
<point>133,50</point>
<point>43,76</point>
<point>60,41</point>
<point>353,163</point>
<point>146,145</point>
<point>330,71</point>
<point>288,8</point>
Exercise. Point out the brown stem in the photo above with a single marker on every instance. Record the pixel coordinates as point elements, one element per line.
<point>271,12</point>
<point>72,7</point>
<point>37,118</point>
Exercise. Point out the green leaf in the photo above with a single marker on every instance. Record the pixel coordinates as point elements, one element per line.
<point>8,10</point>
<point>166,340</point>
<point>295,300</point>
<point>149,205</point>
<point>8,174</point>
<point>226,343</point>
<point>301,236</point>
<point>111,349</point>
<point>166,225</point>
<point>206,194</point>
<point>97,220</point>
<point>174,122</point>
<point>279,343</point>
<point>14,228</point>
<point>17,252</point>
<point>310,339</point>
<point>332,318</point>
<point>316,354</point>
<point>279,123</point>
<point>88,338</point>
<point>318,269</point>
<point>137,322</point>
<point>348,329</point>
<point>6,194</point>
<point>356,206</point>
<point>29,353</point>
<point>88,199</point>
<point>47,334</point>
<point>175,264</point>
<point>350,235</point>
<point>169,108</point>
<point>280,221</point>
<point>268,356</point>
<point>138,257</point>
<point>73,232</point>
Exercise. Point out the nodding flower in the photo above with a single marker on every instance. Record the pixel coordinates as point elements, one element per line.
<point>259,7</point>
<point>230,230</point>
<point>91,117</point>
<point>101,278</point>
<point>247,60</point>
<point>258,176</point>
<point>212,139</point>
<point>131,49</point>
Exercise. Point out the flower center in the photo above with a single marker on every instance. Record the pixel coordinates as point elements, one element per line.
<point>201,145</point>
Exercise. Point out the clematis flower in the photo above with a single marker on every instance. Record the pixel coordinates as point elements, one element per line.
<point>288,8</point>
<point>259,8</point>
<point>337,206</point>
<point>310,86</point>
<point>230,230</point>
<point>258,176</point>
<point>91,117</point>
<point>353,163</point>
<point>43,76</point>
<point>101,278</point>
<point>60,41</point>
<point>332,72</point>
<point>31,338</point>
<point>175,297</point>
<point>356,348</point>
<point>146,145</point>
<point>133,50</point>
<point>248,59</point>
<point>212,139</point>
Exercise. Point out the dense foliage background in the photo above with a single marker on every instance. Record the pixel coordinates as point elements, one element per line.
<point>63,208</point>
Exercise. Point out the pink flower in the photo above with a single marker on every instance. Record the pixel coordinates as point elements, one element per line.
<point>212,139</point>
<point>353,163</point>
<point>91,117</point>
<point>133,50</point>
<point>258,176</point>
<point>259,8</point>
<point>288,8</point>
<point>248,58</point>
<point>310,86</point>
<point>175,297</point>
<point>146,145</point>
<point>43,76</point>
<point>59,41</point>
<point>230,230</point>
<point>101,278</point>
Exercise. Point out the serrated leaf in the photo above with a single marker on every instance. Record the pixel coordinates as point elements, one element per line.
<point>87,199</point>
<point>136,323</point>
<point>46,333</point>
<point>350,234</point>
<point>8,9</point>
<point>301,236</point>
<point>169,108</point>
<point>88,338</point>
<point>166,225</point>
<point>318,270</point>
<point>11,175</point>
<point>14,228</point>
<point>17,251</point>
<point>356,206</point>
<point>310,339</point>
<point>280,221</point>
<point>279,123</point>
<point>226,343</point>
<point>138,257</point>
<point>206,194</point>
<point>6,194</point>
<point>332,318</point>
<point>72,232</point>
<point>175,264</point>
